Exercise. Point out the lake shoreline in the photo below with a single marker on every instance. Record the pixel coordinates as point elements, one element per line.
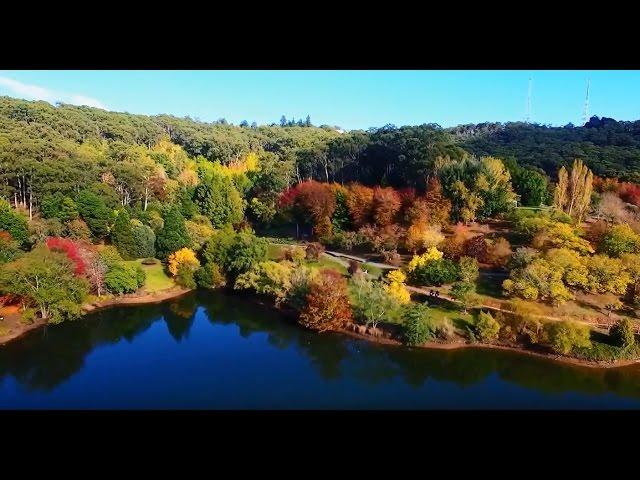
<point>122,300</point>
<point>384,336</point>
<point>489,346</point>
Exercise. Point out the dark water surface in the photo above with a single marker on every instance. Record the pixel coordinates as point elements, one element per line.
<point>212,351</point>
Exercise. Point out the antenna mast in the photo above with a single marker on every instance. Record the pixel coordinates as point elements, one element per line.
<point>585,115</point>
<point>528,116</point>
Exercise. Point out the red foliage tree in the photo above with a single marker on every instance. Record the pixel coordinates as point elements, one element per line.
<point>630,193</point>
<point>327,305</point>
<point>386,205</point>
<point>71,249</point>
<point>318,201</point>
<point>476,247</point>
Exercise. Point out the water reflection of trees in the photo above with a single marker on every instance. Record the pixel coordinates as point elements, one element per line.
<point>47,357</point>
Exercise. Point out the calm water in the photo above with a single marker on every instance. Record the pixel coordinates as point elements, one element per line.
<point>216,351</point>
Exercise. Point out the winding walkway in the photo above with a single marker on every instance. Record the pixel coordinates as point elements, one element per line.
<point>340,257</point>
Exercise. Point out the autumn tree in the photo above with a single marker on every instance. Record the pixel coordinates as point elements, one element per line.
<point>573,191</point>
<point>327,303</point>
<point>360,203</point>
<point>386,205</point>
<point>317,201</point>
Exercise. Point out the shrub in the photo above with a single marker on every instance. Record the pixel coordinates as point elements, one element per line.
<point>354,267</point>
<point>391,257</point>
<point>415,327</point>
<point>210,276</point>
<point>622,333</point>
<point>293,254</point>
<point>445,330</point>
<point>565,336</point>
<point>186,275</point>
<point>620,239</point>
<point>435,272</point>
<point>123,278</point>
<point>77,229</point>
<point>313,251</point>
<point>327,303</point>
<point>487,327</point>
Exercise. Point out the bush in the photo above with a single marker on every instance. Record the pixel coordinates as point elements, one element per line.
<point>185,275</point>
<point>487,327</point>
<point>622,333</point>
<point>392,257</point>
<point>210,276</point>
<point>354,267</point>
<point>435,272</point>
<point>313,251</point>
<point>124,278</point>
<point>415,327</point>
<point>565,336</point>
<point>445,330</point>
<point>293,254</point>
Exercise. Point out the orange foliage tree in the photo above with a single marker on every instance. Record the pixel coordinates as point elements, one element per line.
<point>327,303</point>
<point>360,204</point>
<point>438,205</point>
<point>319,202</point>
<point>386,204</point>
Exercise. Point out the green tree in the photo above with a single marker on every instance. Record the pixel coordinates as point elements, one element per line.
<point>373,303</point>
<point>144,240</point>
<point>464,292</point>
<point>95,213</point>
<point>565,336</point>
<point>14,223</point>
<point>622,333</point>
<point>122,236</point>
<point>45,279</point>
<point>123,277</point>
<point>487,327</point>
<point>416,329</point>
<point>174,235</point>
<point>218,199</point>
<point>235,253</point>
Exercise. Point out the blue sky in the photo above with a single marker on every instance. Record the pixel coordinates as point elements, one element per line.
<point>348,98</point>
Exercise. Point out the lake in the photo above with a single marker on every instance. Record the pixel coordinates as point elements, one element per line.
<point>210,350</point>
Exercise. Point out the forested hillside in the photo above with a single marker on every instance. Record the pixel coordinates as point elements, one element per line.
<point>608,147</point>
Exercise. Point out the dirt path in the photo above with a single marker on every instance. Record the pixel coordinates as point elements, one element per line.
<point>340,257</point>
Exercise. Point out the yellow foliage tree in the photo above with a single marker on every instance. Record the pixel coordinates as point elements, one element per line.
<point>420,260</point>
<point>573,192</point>
<point>396,286</point>
<point>422,235</point>
<point>184,256</point>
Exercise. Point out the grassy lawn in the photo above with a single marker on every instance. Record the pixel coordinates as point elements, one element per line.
<point>156,280</point>
<point>274,251</point>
